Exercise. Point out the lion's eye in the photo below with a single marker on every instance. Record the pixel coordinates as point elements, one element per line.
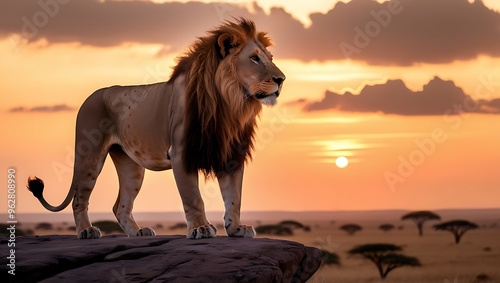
<point>255,59</point>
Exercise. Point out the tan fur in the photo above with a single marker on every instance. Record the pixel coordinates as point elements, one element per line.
<point>202,119</point>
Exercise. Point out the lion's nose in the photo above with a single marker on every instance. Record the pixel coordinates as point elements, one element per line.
<point>278,80</point>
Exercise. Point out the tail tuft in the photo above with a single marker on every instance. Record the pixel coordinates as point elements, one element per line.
<point>35,186</point>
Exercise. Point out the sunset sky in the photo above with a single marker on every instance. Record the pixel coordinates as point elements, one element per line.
<point>408,91</point>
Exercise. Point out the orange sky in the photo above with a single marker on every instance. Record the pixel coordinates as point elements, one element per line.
<point>395,161</point>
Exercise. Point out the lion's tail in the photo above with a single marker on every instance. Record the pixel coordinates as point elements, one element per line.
<point>36,186</point>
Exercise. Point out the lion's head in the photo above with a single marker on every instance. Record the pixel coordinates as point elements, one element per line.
<point>229,74</point>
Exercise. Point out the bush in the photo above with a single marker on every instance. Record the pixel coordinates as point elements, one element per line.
<point>44,226</point>
<point>180,225</point>
<point>328,258</point>
<point>292,224</point>
<point>386,227</point>
<point>108,226</point>
<point>6,233</point>
<point>274,230</point>
<point>482,278</point>
<point>351,228</point>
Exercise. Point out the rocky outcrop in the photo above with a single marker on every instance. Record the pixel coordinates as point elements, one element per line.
<point>159,259</point>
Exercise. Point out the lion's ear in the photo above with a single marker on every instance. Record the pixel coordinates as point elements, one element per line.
<point>226,42</point>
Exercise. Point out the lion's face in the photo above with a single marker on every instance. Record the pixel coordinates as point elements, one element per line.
<point>257,74</point>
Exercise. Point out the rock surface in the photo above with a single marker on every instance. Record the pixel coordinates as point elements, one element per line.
<point>159,259</point>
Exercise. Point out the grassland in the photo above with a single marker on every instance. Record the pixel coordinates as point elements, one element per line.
<point>442,260</point>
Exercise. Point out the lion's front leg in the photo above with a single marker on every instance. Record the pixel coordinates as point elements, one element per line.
<point>230,186</point>
<point>194,208</point>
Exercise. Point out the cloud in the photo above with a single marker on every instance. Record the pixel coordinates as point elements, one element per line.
<point>46,109</point>
<point>110,23</point>
<point>396,32</point>
<point>438,97</point>
<point>403,32</point>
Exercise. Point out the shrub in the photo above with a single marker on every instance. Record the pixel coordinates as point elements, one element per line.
<point>108,226</point>
<point>6,233</point>
<point>292,224</point>
<point>180,225</point>
<point>386,227</point>
<point>328,258</point>
<point>274,230</point>
<point>351,228</point>
<point>44,226</point>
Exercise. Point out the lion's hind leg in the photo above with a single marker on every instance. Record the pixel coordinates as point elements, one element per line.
<point>84,179</point>
<point>130,177</point>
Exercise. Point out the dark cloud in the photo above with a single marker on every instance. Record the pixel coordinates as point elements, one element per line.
<point>46,109</point>
<point>438,97</point>
<point>404,32</point>
<point>109,23</point>
<point>396,32</point>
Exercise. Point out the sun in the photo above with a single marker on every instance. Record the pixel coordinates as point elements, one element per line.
<point>341,162</point>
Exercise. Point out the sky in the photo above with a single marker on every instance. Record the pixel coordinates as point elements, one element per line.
<point>408,91</point>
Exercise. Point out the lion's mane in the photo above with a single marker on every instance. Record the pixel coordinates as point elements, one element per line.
<point>220,118</point>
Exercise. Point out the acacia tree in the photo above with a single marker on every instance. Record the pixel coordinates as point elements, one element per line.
<point>351,228</point>
<point>457,227</point>
<point>419,218</point>
<point>384,257</point>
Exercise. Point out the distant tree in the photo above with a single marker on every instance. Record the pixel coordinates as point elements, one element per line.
<point>386,227</point>
<point>419,218</point>
<point>328,258</point>
<point>457,227</point>
<point>351,228</point>
<point>384,257</point>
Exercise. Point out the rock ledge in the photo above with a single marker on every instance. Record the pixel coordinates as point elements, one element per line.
<point>159,259</point>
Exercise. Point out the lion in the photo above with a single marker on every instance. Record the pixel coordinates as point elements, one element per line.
<point>202,120</point>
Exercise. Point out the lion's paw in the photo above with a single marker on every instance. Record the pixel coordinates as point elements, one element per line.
<point>242,231</point>
<point>90,233</point>
<point>202,232</point>
<point>146,231</point>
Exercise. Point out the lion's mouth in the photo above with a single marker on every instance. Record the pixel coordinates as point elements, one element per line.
<point>262,95</point>
<point>268,99</point>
